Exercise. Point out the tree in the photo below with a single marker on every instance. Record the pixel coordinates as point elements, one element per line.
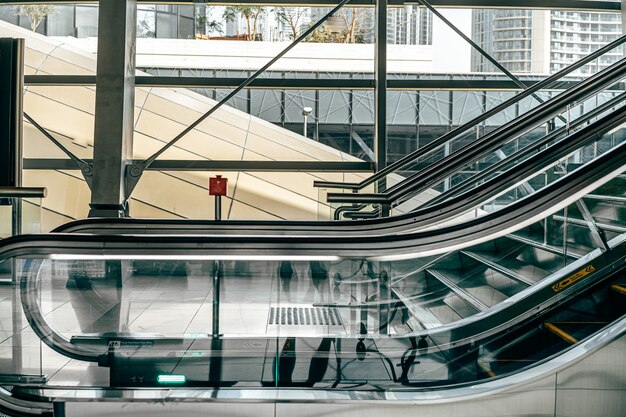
<point>353,28</point>
<point>36,14</point>
<point>292,17</point>
<point>351,32</point>
<point>251,14</point>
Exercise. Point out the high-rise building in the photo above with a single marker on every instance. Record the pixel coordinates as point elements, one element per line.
<point>542,41</point>
<point>410,25</point>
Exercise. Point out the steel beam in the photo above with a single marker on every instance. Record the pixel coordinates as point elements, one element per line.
<point>380,87</point>
<point>597,233</point>
<point>206,165</point>
<point>302,83</point>
<point>115,100</point>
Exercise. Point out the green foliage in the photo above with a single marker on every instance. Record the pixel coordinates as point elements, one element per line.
<point>352,32</point>
<point>252,14</point>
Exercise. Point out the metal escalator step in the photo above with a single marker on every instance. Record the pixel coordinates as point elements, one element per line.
<point>425,318</point>
<point>561,333</point>
<point>577,329</point>
<point>499,268</point>
<point>543,246</point>
<point>460,292</point>
<point>620,288</point>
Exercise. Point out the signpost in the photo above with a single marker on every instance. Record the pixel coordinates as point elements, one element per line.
<point>218,187</point>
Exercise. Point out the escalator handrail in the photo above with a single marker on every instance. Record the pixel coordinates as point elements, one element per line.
<point>504,164</point>
<point>463,128</point>
<point>519,214</point>
<point>444,167</point>
<point>19,407</point>
<point>507,162</point>
<point>462,202</point>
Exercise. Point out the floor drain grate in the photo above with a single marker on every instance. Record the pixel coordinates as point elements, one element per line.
<point>305,316</point>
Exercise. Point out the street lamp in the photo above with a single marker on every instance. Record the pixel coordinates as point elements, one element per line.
<point>305,112</point>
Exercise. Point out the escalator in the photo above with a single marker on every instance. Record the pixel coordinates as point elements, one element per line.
<point>449,286</point>
<point>507,346</point>
<point>462,283</point>
<point>363,279</point>
<point>411,308</point>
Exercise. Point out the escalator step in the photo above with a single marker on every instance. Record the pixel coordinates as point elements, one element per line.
<point>561,333</point>
<point>500,268</point>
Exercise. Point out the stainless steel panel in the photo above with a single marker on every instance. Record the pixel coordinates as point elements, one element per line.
<point>135,409</point>
<point>596,386</point>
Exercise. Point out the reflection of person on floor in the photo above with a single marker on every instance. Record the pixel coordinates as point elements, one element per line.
<point>319,279</point>
<point>96,300</point>
<point>287,363</point>
<point>319,362</point>
<point>287,275</point>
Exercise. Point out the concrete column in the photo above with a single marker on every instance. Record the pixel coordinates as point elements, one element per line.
<point>380,92</point>
<point>115,100</point>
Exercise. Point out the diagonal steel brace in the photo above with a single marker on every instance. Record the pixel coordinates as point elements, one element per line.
<point>85,168</point>
<point>136,170</point>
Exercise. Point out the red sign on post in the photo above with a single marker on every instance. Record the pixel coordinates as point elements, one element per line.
<point>218,185</point>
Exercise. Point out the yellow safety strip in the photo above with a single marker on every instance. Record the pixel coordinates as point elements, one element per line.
<point>619,288</point>
<point>562,334</point>
<point>486,368</point>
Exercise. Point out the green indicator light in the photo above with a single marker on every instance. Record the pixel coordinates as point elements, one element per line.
<point>171,379</point>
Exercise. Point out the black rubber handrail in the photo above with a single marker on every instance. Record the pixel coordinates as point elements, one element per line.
<point>514,158</point>
<point>442,168</point>
<point>472,123</point>
<point>528,210</point>
<point>516,169</point>
<point>354,211</point>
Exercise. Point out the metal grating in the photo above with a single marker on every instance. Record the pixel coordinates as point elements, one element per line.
<point>304,316</point>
